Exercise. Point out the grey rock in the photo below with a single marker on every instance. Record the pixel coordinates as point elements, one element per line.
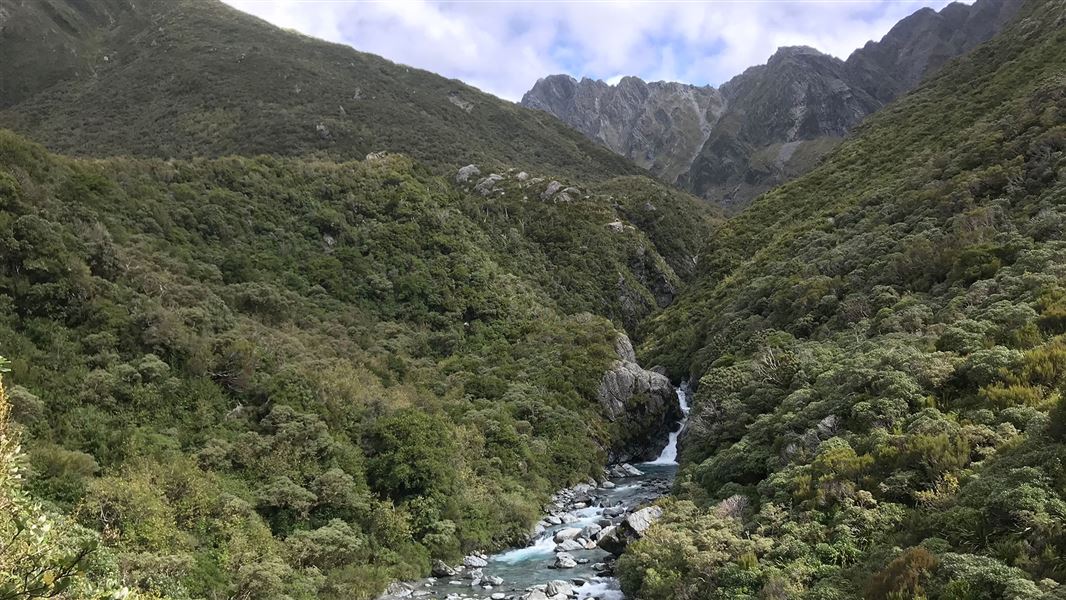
<point>772,122</point>
<point>558,586</point>
<point>488,184</point>
<point>466,173</point>
<point>441,569</point>
<point>474,561</point>
<point>615,539</point>
<point>569,546</point>
<point>551,190</point>
<point>564,560</point>
<point>649,419</point>
<point>566,534</point>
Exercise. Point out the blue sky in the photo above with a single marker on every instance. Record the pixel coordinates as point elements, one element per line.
<point>503,47</point>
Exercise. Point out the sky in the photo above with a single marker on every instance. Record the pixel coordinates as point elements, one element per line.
<point>504,46</point>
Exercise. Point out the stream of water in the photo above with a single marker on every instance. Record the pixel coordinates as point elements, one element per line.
<point>511,574</point>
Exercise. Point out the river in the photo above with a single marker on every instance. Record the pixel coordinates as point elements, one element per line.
<point>522,569</point>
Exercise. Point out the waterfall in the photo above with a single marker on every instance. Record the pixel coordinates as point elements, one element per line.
<point>669,454</point>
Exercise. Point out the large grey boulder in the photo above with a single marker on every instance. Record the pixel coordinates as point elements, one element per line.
<point>466,173</point>
<point>441,569</point>
<point>643,402</point>
<point>615,539</point>
<point>564,560</point>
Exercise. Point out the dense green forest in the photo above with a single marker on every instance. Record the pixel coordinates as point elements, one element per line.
<point>264,377</point>
<point>880,353</point>
<point>243,361</point>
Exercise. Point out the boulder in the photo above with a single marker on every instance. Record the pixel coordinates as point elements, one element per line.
<point>642,402</point>
<point>475,562</point>
<point>474,574</point>
<point>558,586</point>
<point>466,173</point>
<point>522,176</point>
<point>631,529</point>
<point>398,589</point>
<point>569,546</point>
<point>590,531</point>
<point>494,580</point>
<point>564,560</point>
<point>566,534</point>
<point>442,570</point>
<point>486,185</point>
<point>550,191</point>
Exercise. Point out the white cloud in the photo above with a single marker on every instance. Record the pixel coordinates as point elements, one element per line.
<point>504,47</point>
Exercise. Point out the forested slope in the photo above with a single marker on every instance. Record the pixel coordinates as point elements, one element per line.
<point>264,377</point>
<point>880,357</point>
<point>190,78</point>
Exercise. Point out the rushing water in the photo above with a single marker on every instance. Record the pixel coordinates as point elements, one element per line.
<point>522,568</point>
<point>669,454</point>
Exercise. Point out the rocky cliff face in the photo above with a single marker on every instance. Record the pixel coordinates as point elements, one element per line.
<point>661,126</point>
<point>774,121</point>
<point>641,404</point>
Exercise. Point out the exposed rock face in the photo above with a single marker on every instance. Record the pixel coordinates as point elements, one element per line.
<point>658,125</point>
<point>774,121</point>
<point>643,404</point>
<point>629,530</point>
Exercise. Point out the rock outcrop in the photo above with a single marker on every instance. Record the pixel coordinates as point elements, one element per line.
<point>774,121</point>
<point>642,404</point>
<point>616,538</point>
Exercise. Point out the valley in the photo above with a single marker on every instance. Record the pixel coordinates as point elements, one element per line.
<point>285,320</point>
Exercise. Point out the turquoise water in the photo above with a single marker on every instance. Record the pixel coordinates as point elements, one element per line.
<point>522,568</point>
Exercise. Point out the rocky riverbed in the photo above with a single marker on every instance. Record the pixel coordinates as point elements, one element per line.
<point>573,547</point>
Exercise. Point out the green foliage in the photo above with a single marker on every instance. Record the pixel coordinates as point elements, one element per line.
<point>257,90</point>
<point>257,377</point>
<point>879,353</point>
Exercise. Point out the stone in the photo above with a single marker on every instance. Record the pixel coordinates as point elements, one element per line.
<point>498,596</point>
<point>558,586</point>
<point>566,534</point>
<point>616,226</point>
<point>569,546</point>
<point>522,176</point>
<point>550,191</point>
<point>466,173</point>
<point>486,185</point>
<point>398,589</point>
<point>590,531</point>
<point>474,574</point>
<point>494,580</point>
<point>535,595</point>
<point>442,570</point>
<point>475,561</point>
<point>564,560</point>
<point>607,485</point>
<point>632,528</point>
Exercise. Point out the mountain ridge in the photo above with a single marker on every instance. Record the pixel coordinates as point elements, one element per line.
<point>741,156</point>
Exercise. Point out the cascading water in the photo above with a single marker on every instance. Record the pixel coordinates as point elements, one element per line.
<point>669,454</point>
<point>515,572</point>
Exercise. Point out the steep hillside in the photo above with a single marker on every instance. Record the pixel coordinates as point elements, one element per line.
<point>880,354</point>
<point>182,78</point>
<point>290,378</point>
<point>774,121</point>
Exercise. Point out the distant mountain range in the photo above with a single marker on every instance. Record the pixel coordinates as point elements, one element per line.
<point>772,122</point>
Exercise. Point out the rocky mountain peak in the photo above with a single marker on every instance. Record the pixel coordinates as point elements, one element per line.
<point>773,121</point>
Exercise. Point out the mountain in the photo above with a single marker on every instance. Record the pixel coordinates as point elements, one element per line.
<point>878,351</point>
<point>250,377</point>
<point>660,126</point>
<point>774,121</point>
<point>287,320</point>
<point>183,78</point>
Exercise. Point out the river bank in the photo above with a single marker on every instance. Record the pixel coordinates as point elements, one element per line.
<point>567,557</point>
